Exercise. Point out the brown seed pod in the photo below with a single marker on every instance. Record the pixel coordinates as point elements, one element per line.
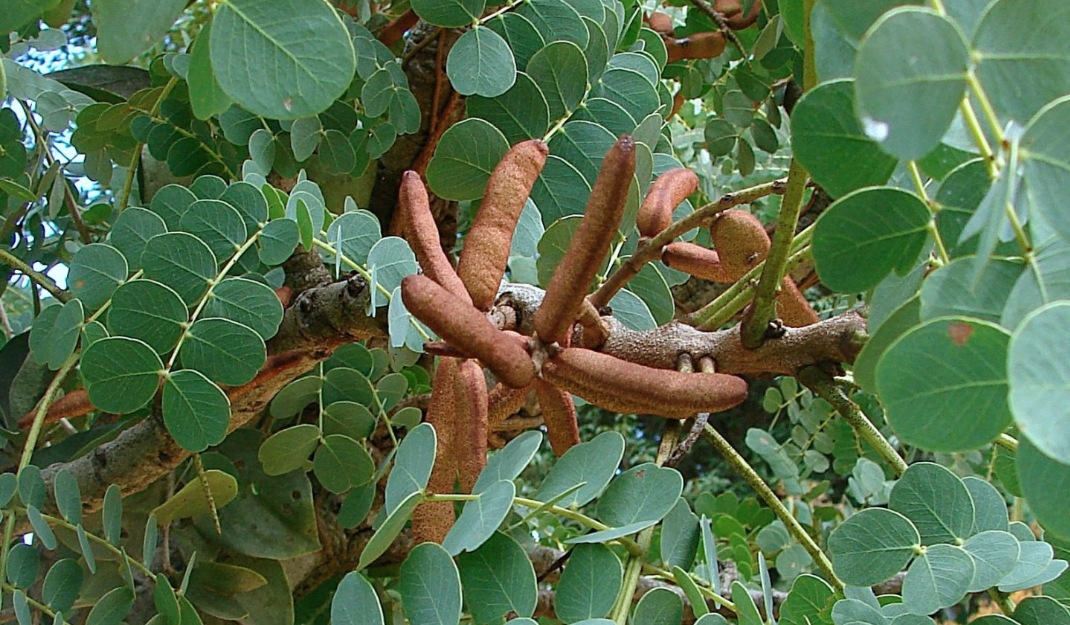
<point>431,521</point>
<point>696,260</point>
<point>470,424</point>
<point>661,23</point>
<point>698,46</point>
<point>460,324</point>
<point>422,234</point>
<point>667,192</point>
<point>486,248</point>
<point>741,241</point>
<point>732,10</point>
<point>792,307</point>
<point>597,229</point>
<point>559,416</point>
<point>504,401</point>
<point>625,387</point>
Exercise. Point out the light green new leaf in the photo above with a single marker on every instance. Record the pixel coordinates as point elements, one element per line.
<point>300,46</point>
<point>944,384</point>
<point>191,500</point>
<point>481,63</point>
<point>891,77</point>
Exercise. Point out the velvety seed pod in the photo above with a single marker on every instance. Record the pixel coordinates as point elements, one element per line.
<point>431,521</point>
<point>597,230</point>
<point>627,387</point>
<point>486,247</point>
<point>733,13</point>
<point>660,23</point>
<point>505,401</point>
<point>422,234</point>
<point>559,416</point>
<point>667,192</point>
<point>792,307</point>
<point>698,46</point>
<point>740,240</point>
<point>462,325</point>
<point>470,425</point>
<point>696,260</point>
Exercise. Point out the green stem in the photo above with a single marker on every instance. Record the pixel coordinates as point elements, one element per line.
<point>1007,442</point>
<point>753,330</point>
<point>131,169</point>
<point>39,278</point>
<point>770,499</point>
<point>1003,600</point>
<point>54,520</point>
<point>821,383</point>
<point>37,605</point>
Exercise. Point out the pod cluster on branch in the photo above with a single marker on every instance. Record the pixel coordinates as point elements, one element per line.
<point>455,306</point>
<point>703,45</point>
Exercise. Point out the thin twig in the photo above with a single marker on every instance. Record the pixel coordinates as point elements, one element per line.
<point>36,276</point>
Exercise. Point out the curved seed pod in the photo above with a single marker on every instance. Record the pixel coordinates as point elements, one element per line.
<point>572,279</point>
<point>462,325</point>
<point>486,248</point>
<point>470,424</point>
<point>431,521</point>
<point>733,13</point>
<point>741,241</point>
<point>559,415</point>
<point>623,386</point>
<point>661,23</point>
<point>696,260</point>
<point>667,192</point>
<point>698,46</point>
<point>504,401</point>
<point>422,234</point>
<point>792,307</point>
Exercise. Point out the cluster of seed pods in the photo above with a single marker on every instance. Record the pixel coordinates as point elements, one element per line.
<point>454,306</point>
<point>705,45</point>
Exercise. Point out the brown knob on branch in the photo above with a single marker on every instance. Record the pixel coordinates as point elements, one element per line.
<point>486,248</point>
<point>461,325</point>
<point>598,228</point>
<point>627,387</point>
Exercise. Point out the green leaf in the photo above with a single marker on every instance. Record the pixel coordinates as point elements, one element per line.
<point>341,463</point>
<point>287,450</point>
<point>481,63</point>
<point>95,272</point>
<point>126,28</point>
<point>1040,381</point>
<point>691,591</point>
<point>355,602</point>
<point>389,530</point>
<point>195,411</point>
<point>555,193</point>
<point>1042,478</point>
<point>148,311</point>
<point>680,536</point>
<point>866,234</point>
<point>216,224</point>
<point>171,202</point>
<point>1023,53</point>
<point>63,337</point>
<point>826,134</point>
<point>990,509</point>
<point>206,97</point>
<point>1041,611</point>
<point>166,602</point>
<point>449,13</point>
<point>62,584</point>
<point>809,598</point>
<point>555,19</point>
<point>191,500</point>
<point>120,373</point>
<point>342,383</point>
<point>659,606</point>
<point>856,611</point>
<point>412,466</point>
<point>277,241</point>
<point>464,158</point>
<point>994,554</point>
<point>954,290</point>
<point>132,231</point>
<point>180,261</point>
<point>348,418</point>
<point>391,259</point>
<point>632,311</point>
<point>560,71</point>
<point>937,579</point>
<point>112,607</point>
<point>305,134</point>
<point>871,546</point>
<point>354,234</point>
<point>854,19</point>
<point>643,494</point>
<point>936,501</point>
<point>22,608</point>
<point>303,42</point>
<point>22,565</point>
<point>903,319</point>
<point>944,384</point>
<point>508,463</point>
<point>521,34</point>
<point>112,515</point>
<point>630,89</point>
<point>745,608</point>
<point>480,518</point>
<point>223,350</point>
<point>250,303</point>
<point>42,530</point>
<point>1034,558</point>
<point>592,463</point>
<point>584,145</point>
<point>589,585</point>
<point>520,113</point>
<point>498,579</point>
<point>68,497</point>
<point>891,78</point>
<point>430,586</point>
